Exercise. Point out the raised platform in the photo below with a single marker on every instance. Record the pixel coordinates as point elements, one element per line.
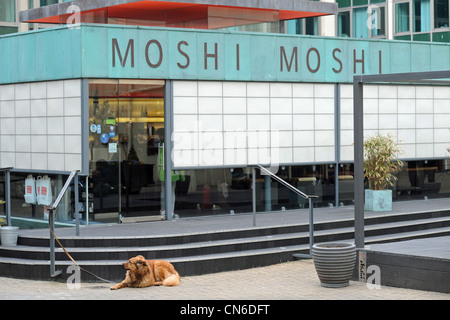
<point>422,264</point>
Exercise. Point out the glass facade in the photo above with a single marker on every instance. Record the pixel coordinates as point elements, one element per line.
<point>418,20</point>
<point>126,138</point>
<point>421,16</point>
<point>402,17</point>
<point>361,19</point>
<point>422,20</point>
<point>8,11</point>
<point>441,14</point>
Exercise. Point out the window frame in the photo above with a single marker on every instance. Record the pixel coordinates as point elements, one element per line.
<point>351,9</point>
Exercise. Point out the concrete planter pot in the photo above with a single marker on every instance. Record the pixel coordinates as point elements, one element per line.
<point>334,263</point>
<point>9,235</point>
<point>378,200</point>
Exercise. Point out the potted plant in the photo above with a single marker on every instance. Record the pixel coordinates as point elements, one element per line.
<point>380,164</point>
<point>8,234</point>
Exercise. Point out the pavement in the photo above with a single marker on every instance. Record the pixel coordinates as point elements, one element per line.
<point>295,280</point>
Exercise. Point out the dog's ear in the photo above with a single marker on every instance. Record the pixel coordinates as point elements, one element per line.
<point>140,258</point>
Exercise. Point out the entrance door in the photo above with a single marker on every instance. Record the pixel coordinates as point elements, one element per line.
<point>126,125</point>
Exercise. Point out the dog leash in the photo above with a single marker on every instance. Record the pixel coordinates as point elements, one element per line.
<point>76,263</point>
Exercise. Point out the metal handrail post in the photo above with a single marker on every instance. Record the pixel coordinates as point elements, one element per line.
<point>311,226</point>
<point>254,195</point>
<point>51,219</point>
<point>8,195</point>
<point>77,208</point>
<point>303,195</point>
<point>51,224</point>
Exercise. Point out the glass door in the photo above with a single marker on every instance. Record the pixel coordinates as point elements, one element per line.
<point>126,125</point>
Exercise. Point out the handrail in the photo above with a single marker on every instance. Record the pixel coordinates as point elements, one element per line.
<point>51,221</point>
<point>310,199</point>
<point>288,185</point>
<point>63,190</point>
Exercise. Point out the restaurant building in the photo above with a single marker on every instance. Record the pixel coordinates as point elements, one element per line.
<point>125,91</point>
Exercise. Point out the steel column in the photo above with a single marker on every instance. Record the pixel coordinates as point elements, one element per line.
<point>168,164</point>
<point>358,131</point>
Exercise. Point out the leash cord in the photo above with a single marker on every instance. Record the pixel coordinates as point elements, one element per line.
<point>73,260</point>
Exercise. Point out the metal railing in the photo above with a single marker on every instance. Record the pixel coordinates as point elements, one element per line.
<point>310,199</point>
<point>51,218</point>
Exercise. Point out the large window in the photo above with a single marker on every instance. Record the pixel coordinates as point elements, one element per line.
<point>441,14</point>
<point>48,2</point>
<point>8,10</point>
<point>422,20</point>
<point>421,15</point>
<point>402,17</point>
<point>378,21</point>
<point>362,19</point>
<point>344,24</point>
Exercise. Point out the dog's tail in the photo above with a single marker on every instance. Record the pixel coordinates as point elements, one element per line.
<point>172,280</point>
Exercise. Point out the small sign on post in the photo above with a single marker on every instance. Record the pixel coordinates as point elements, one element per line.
<point>362,266</point>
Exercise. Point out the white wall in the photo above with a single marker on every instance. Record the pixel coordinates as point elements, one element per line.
<point>241,123</point>
<point>418,116</point>
<point>40,125</point>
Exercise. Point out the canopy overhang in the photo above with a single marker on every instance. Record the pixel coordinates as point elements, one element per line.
<point>201,14</point>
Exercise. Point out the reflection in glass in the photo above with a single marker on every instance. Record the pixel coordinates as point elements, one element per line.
<point>126,131</point>
<point>402,17</point>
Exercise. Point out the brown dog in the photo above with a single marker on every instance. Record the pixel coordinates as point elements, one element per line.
<point>145,273</point>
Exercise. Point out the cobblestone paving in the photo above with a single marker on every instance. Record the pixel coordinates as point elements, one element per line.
<point>286,281</point>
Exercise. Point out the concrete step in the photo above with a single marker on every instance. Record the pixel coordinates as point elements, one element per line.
<point>206,252</point>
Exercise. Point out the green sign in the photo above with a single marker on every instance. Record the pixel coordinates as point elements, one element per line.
<point>110,51</point>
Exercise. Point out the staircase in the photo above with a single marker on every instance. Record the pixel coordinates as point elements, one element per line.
<point>200,252</point>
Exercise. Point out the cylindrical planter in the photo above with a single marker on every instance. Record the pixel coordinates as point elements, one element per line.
<point>9,235</point>
<point>334,263</point>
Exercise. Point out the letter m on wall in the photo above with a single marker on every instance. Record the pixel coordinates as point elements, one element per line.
<point>284,58</point>
<point>122,59</point>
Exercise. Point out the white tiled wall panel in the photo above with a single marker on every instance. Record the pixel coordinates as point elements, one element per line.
<point>243,123</point>
<point>417,116</point>
<point>40,125</point>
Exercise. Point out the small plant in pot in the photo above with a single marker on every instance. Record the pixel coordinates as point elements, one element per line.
<point>380,163</point>
<point>8,234</point>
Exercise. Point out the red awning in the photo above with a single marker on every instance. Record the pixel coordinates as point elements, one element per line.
<point>188,14</point>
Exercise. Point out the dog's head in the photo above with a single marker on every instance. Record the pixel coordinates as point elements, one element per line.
<point>136,265</point>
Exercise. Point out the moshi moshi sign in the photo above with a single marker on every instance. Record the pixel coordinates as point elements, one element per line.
<point>267,57</point>
<point>112,51</point>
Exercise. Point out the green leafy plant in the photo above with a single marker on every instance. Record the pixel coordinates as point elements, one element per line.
<point>381,161</point>
<point>2,222</point>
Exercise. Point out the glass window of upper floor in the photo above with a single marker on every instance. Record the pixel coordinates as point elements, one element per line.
<point>8,10</point>
<point>361,18</point>
<point>423,19</point>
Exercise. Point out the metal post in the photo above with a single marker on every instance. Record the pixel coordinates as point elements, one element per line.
<point>268,193</point>
<point>311,226</point>
<point>77,208</point>
<point>337,139</point>
<point>169,201</point>
<point>254,195</point>
<point>87,200</point>
<point>51,223</point>
<point>8,196</point>
<point>358,112</point>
